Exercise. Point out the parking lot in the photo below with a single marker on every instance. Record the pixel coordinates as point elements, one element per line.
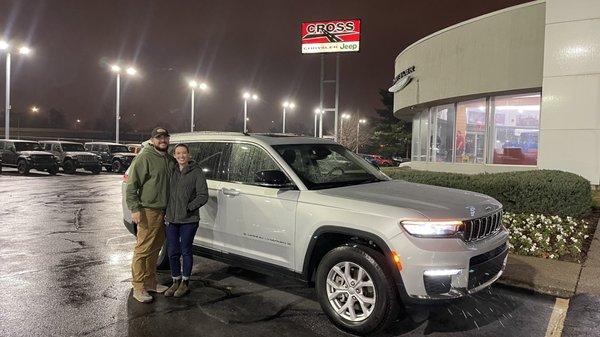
<point>65,270</point>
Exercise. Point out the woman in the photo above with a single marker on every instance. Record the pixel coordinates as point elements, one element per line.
<point>187,193</point>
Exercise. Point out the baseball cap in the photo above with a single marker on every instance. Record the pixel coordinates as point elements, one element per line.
<point>159,131</point>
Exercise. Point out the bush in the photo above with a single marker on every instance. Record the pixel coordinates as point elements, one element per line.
<point>539,192</point>
<point>547,237</point>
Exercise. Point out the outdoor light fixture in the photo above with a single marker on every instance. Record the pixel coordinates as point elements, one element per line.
<point>286,105</point>
<point>193,84</point>
<point>23,50</point>
<point>131,71</point>
<point>247,95</point>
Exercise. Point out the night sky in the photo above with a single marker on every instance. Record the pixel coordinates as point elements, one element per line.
<point>232,45</point>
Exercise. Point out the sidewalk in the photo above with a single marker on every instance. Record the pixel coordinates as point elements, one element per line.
<point>556,278</point>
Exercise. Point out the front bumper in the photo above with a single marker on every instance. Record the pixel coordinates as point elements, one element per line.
<point>42,165</point>
<point>442,269</point>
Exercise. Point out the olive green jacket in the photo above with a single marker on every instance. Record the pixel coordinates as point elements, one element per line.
<point>188,192</point>
<point>148,181</point>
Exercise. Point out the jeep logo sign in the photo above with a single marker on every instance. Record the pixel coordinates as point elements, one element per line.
<point>333,36</point>
<point>402,80</point>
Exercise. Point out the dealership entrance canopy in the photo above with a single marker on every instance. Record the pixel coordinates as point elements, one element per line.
<point>516,89</point>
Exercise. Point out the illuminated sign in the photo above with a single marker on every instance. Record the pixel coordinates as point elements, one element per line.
<point>402,80</point>
<point>333,36</point>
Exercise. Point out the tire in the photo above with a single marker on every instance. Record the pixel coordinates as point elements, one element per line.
<point>96,169</point>
<point>23,168</point>
<point>117,166</point>
<point>163,258</point>
<point>53,170</point>
<point>368,317</point>
<point>69,167</point>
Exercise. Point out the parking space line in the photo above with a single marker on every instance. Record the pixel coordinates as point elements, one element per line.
<point>557,319</point>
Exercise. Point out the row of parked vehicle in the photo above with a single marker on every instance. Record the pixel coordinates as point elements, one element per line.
<point>379,160</point>
<point>50,156</point>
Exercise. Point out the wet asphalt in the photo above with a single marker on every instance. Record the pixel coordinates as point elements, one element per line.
<point>65,271</point>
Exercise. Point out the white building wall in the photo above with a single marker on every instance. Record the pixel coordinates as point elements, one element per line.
<point>570,112</point>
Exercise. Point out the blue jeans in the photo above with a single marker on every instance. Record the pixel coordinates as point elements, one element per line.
<point>179,243</point>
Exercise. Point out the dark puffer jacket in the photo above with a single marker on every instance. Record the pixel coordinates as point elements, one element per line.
<point>187,193</point>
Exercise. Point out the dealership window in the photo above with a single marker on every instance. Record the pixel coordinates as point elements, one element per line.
<point>470,131</point>
<point>442,133</point>
<point>515,132</point>
<point>424,135</point>
<point>415,138</point>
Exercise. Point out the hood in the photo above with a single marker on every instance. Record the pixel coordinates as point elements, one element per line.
<point>37,153</point>
<point>432,201</point>
<point>80,153</point>
<point>124,154</point>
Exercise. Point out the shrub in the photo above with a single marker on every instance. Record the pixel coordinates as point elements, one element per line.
<point>547,192</point>
<point>551,237</point>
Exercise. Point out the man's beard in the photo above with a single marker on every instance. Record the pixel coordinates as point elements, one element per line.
<point>160,147</point>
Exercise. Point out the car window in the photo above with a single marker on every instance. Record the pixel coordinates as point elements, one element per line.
<point>245,160</point>
<point>28,146</point>
<point>73,147</point>
<point>208,156</point>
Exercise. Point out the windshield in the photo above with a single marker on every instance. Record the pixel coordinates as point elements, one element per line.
<point>72,147</point>
<point>118,148</point>
<point>322,166</point>
<point>28,147</point>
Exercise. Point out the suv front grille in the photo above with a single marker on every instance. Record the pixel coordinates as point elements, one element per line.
<point>41,158</point>
<point>480,228</point>
<point>86,159</point>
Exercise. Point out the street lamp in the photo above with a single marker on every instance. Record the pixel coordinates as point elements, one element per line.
<point>131,71</point>
<point>344,116</point>
<point>35,109</point>
<point>290,105</point>
<point>23,50</point>
<point>360,121</point>
<point>247,96</point>
<point>317,113</point>
<point>193,84</point>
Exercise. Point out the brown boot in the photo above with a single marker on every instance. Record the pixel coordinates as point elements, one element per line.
<point>173,288</point>
<point>183,289</point>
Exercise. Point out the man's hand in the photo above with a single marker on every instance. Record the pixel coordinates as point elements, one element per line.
<point>136,217</point>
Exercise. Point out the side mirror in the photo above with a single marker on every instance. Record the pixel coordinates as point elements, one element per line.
<point>272,178</point>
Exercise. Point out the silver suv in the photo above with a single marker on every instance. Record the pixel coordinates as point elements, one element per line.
<point>311,209</point>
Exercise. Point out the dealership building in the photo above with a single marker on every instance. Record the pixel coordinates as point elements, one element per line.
<point>516,89</point>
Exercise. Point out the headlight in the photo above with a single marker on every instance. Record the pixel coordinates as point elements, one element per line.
<point>433,229</point>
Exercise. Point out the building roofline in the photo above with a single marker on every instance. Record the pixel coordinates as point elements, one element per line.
<point>463,23</point>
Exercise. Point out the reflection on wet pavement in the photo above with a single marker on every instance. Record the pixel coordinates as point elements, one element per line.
<point>65,270</point>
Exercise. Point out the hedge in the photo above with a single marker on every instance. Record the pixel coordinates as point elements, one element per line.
<point>546,192</point>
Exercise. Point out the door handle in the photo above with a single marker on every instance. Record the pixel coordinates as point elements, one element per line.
<point>230,191</point>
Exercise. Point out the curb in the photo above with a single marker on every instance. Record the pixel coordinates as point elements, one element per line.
<point>544,276</point>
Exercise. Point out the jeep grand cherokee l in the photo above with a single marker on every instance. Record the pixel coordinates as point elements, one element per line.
<point>312,209</point>
<point>26,155</point>
<point>73,156</point>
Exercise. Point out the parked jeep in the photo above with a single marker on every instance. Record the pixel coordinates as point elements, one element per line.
<point>115,157</point>
<point>26,155</point>
<point>73,156</point>
<point>311,209</point>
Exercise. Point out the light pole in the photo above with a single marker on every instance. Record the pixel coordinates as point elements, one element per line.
<point>290,105</point>
<point>247,96</point>
<point>344,116</point>
<point>193,86</point>
<point>317,113</point>
<point>24,50</point>
<point>360,121</point>
<point>131,71</point>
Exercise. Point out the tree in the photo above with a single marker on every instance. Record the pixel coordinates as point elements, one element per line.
<point>348,134</point>
<point>390,135</point>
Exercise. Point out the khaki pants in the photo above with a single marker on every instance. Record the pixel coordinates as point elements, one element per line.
<point>150,239</point>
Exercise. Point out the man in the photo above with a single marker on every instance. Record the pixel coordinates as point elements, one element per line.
<point>146,196</point>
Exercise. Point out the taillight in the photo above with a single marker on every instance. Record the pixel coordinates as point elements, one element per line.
<point>125,177</point>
